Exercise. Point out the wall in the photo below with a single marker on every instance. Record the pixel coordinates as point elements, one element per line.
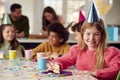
<point>33,9</point>
<point>27,9</point>
<point>113,16</point>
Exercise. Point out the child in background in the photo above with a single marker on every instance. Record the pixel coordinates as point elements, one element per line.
<point>8,40</point>
<point>76,29</point>
<point>77,26</point>
<point>92,57</point>
<point>56,44</point>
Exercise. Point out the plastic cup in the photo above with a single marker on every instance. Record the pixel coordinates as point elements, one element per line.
<point>12,54</point>
<point>41,54</point>
<point>28,54</point>
<point>42,63</point>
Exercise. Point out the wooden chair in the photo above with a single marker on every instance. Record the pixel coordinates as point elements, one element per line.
<point>118,76</point>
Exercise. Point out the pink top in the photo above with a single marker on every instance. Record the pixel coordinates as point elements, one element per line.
<point>84,60</point>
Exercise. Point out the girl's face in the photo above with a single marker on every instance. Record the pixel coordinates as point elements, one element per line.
<point>92,37</point>
<point>54,39</point>
<point>48,16</point>
<point>8,33</point>
<point>77,37</point>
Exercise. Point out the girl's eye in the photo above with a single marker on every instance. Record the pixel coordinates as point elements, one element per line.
<point>97,34</point>
<point>7,32</point>
<point>88,33</point>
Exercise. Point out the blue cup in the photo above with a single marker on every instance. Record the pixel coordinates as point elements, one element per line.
<point>42,63</point>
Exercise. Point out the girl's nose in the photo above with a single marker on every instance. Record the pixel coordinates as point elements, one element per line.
<point>91,36</point>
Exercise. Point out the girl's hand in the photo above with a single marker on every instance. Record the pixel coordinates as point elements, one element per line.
<point>33,58</point>
<point>87,72</point>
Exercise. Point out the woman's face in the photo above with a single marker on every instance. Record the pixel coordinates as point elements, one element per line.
<point>54,39</point>
<point>48,16</point>
<point>92,37</point>
<point>77,37</point>
<point>8,33</point>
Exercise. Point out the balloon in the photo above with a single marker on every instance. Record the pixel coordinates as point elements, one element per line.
<point>104,6</point>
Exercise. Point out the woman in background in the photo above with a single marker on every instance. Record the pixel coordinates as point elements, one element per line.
<point>49,16</point>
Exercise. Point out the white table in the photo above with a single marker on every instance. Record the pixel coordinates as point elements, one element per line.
<point>32,43</point>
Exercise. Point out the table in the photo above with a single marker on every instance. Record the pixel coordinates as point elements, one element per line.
<point>32,43</point>
<point>20,69</point>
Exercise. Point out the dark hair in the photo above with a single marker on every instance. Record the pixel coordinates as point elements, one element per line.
<point>77,26</point>
<point>14,43</point>
<point>15,6</point>
<point>58,28</point>
<point>45,22</point>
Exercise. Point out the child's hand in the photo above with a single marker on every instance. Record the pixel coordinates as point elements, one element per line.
<point>33,58</point>
<point>54,67</point>
<point>87,72</point>
<point>54,55</point>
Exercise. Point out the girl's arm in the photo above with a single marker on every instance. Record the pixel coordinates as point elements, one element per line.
<point>112,61</point>
<point>67,59</point>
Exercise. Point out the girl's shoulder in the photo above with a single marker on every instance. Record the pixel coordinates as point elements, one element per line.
<point>112,49</point>
<point>75,47</point>
<point>66,45</point>
<point>45,43</point>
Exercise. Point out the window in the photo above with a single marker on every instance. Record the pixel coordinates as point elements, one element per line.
<point>69,9</point>
<point>55,4</point>
<point>73,7</point>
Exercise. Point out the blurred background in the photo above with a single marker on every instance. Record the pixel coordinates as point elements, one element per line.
<point>68,9</point>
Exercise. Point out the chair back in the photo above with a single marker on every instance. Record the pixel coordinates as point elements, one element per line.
<point>118,76</point>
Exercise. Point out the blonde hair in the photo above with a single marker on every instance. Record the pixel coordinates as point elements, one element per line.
<point>99,56</point>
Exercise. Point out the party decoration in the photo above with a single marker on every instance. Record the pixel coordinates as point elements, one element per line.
<point>92,15</point>
<point>104,6</point>
<point>6,19</point>
<point>81,16</point>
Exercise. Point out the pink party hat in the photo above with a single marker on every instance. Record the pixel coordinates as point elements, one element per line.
<point>81,16</point>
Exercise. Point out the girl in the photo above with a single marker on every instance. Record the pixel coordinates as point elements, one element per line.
<point>49,16</point>
<point>8,40</point>
<point>92,57</point>
<point>56,44</point>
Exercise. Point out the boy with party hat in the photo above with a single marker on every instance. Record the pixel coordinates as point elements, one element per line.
<point>81,19</point>
<point>76,27</point>
<point>92,58</point>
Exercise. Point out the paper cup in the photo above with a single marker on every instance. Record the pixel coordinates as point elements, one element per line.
<point>12,54</point>
<point>42,63</point>
<point>41,54</point>
<point>2,55</point>
<point>28,54</point>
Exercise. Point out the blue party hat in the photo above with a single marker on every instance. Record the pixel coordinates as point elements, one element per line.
<point>92,15</point>
<point>6,19</point>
